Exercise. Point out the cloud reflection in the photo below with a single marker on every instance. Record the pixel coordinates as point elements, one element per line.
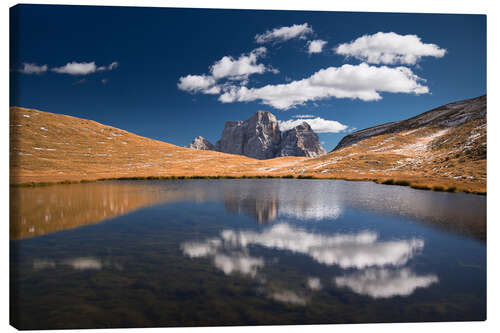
<point>289,297</point>
<point>314,283</point>
<point>384,283</point>
<point>378,262</point>
<point>78,263</point>
<point>227,261</point>
<point>345,250</point>
<point>84,263</point>
<point>238,262</point>
<point>310,210</point>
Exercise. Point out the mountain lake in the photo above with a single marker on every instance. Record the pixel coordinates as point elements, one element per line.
<point>201,252</point>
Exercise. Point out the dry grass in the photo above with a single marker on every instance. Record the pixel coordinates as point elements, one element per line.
<point>46,148</point>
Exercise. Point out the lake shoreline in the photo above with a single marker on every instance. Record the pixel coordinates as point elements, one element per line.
<point>438,187</point>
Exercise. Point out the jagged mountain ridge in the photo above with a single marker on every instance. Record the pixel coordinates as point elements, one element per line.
<point>201,143</point>
<point>449,115</point>
<point>260,137</point>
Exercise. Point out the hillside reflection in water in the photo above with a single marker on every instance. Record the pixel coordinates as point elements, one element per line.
<point>41,210</point>
<point>243,252</point>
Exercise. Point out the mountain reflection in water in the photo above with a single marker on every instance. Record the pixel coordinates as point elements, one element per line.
<point>37,211</point>
<point>243,252</point>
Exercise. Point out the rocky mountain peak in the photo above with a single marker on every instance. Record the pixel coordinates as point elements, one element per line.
<point>264,117</point>
<point>301,141</point>
<point>201,143</point>
<point>260,137</point>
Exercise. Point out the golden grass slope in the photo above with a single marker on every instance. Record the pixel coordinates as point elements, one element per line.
<point>427,157</point>
<point>47,147</point>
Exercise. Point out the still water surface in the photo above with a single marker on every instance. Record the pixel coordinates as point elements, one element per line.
<point>243,252</point>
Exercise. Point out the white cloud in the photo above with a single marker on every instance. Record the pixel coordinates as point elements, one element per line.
<point>241,68</point>
<point>110,67</point>
<point>284,33</point>
<point>33,69</point>
<point>83,68</point>
<point>198,83</point>
<point>384,283</point>
<point>76,68</point>
<point>348,81</point>
<point>113,65</point>
<point>226,68</point>
<point>389,48</point>
<point>318,125</point>
<point>315,46</point>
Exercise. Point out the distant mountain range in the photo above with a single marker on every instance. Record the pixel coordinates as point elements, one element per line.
<point>444,148</point>
<point>260,137</point>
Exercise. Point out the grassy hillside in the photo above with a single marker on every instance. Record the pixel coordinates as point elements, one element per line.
<point>46,147</point>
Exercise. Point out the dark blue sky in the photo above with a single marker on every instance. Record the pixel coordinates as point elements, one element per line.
<point>155,47</point>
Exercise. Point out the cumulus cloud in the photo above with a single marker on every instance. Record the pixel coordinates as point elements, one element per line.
<point>385,283</point>
<point>318,125</point>
<point>241,68</point>
<point>389,48</point>
<point>198,83</point>
<point>226,68</point>
<point>284,33</point>
<point>30,68</point>
<point>315,46</point>
<point>361,81</point>
<point>83,68</point>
